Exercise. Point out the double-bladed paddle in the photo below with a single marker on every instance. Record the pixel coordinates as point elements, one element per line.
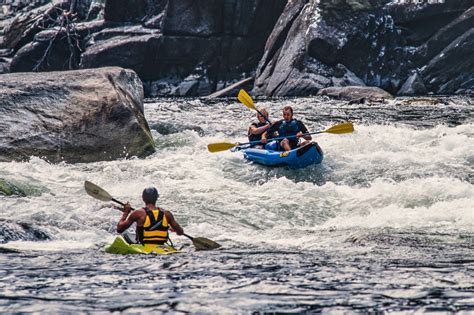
<point>200,243</point>
<point>245,99</point>
<point>346,127</point>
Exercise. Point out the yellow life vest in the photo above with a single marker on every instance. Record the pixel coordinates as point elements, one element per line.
<point>155,228</point>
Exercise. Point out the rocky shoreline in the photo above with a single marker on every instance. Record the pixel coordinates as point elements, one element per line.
<point>290,48</point>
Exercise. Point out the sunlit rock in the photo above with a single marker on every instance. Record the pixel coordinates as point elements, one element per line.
<point>73,116</point>
<point>352,93</point>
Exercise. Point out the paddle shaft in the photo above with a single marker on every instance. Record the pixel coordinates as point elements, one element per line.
<point>119,202</point>
<point>247,100</point>
<point>268,121</point>
<point>281,138</point>
<point>190,237</point>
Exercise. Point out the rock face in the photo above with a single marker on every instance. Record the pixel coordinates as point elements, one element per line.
<point>177,47</point>
<point>291,48</point>
<point>73,116</point>
<point>374,42</point>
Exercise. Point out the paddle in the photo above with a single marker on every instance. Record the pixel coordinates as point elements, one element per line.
<point>346,127</point>
<point>245,99</point>
<point>200,243</point>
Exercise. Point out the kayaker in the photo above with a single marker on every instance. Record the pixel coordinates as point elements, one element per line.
<point>153,222</point>
<point>256,129</point>
<point>286,127</point>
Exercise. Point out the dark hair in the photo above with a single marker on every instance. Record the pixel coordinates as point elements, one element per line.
<point>150,195</point>
<point>288,108</point>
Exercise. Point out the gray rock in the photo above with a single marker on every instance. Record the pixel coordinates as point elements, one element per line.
<point>413,86</point>
<point>73,116</point>
<point>193,18</point>
<point>125,10</point>
<point>9,189</point>
<point>422,20</point>
<point>351,93</point>
<point>46,54</point>
<point>4,65</point>
<point>453,68</point>
<point>319,36</point>
<point>123,51</point>
<point>374,40</point>
<point>273,48</point>
<point>345,77</point>
<point>161,40</point>
<point>24,26</point>
<point>446,35</point>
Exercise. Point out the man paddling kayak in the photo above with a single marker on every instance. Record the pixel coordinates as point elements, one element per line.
<point>286,127</point>
<point>153,222</point>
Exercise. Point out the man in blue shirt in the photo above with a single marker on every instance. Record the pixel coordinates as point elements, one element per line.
<point>287,127</point>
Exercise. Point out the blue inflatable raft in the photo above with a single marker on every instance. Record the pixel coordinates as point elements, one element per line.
<point>297,158</point>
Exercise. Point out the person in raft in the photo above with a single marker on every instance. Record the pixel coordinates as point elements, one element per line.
<point>153,222</point>
<point>256,129</point>
<point>287,127</point>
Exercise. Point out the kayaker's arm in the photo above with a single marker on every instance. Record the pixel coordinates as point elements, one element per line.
<point>254,130</point>
<point>175,227</point>
<point>270,131</point>
<point>302,131</point>
<point>263,139</point>
<point>300,134</point>
<point>126,220</point>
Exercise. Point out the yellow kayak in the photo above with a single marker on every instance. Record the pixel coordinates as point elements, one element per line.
<point>121,246</point>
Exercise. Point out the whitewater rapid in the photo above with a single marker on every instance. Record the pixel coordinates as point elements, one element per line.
<point>384,175</point>
<point>384,223</point>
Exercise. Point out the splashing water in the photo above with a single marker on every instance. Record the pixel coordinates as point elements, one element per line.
<point>384,223</point>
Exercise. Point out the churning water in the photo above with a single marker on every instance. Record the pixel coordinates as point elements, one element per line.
<point>385,223</point>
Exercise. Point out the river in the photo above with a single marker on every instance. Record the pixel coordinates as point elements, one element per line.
<point>384,224</point>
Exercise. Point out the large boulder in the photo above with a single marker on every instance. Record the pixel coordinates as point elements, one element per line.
<point>378,42</point>
<point>414,85</point>
<point>452,70</point>
<point>314,39</point>
<point>446,35</point>
<point>73,116</point>
<point>123,51</point>
<point>356,93</point>
<point>420,20</point>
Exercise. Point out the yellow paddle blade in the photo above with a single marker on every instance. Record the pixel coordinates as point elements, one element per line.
<point>221,146</point>
<point>245,99</point>
<point>346,127</point>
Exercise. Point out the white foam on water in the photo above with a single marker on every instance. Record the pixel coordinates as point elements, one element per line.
<point>379,176</point>
<point>49,246</point>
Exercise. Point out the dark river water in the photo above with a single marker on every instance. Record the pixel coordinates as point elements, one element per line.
<point>384,224</point>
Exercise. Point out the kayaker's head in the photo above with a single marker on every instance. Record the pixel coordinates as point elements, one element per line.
<point>263,118</point>
<point>287,113</point>
<point>150,195</point>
